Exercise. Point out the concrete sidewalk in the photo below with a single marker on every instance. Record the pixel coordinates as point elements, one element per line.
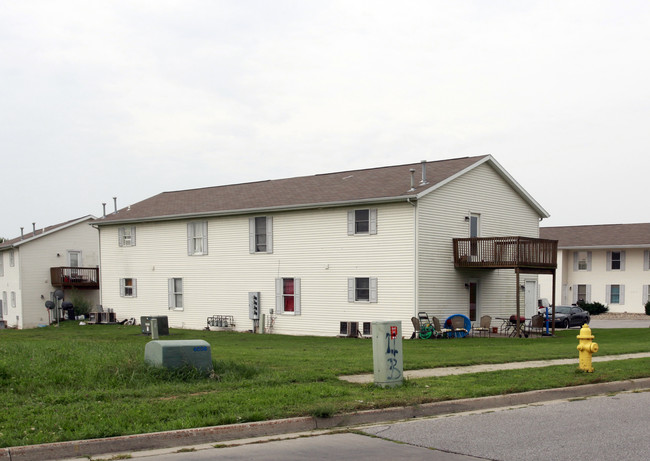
<point>264,430</point>
<point>447,371</point>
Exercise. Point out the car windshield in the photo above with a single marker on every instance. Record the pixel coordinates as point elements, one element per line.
<point>562,309</point>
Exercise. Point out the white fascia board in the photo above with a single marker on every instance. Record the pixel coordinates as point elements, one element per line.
<point>605,247</point>
<point>248,211</point>
<point>504,174</point>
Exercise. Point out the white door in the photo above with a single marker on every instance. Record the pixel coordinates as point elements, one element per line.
<point>530,298</point>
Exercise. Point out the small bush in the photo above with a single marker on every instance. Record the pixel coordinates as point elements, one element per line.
<point>594,308</point>
<point>80,304</point>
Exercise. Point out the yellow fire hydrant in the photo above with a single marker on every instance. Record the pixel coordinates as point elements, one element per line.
<point>586,348</point>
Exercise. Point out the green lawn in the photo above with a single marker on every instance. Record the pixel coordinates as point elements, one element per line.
<point>75,382</point>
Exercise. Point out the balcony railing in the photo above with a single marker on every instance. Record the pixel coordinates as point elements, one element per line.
<point>505,252</point>
<point>75,277</point>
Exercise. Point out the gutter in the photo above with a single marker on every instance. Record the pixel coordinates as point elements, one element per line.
<point>244,211</point>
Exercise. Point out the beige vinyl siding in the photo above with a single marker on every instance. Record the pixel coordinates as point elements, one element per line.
<point>441,217</point>
<point>33,261</point>
<point>312,245</point>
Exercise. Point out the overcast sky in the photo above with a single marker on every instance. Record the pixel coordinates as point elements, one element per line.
<point>132,98</point>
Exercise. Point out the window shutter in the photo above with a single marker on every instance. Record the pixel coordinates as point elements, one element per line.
<point>120,236</point>
<point>609,261</point>
<point>351,222</point>
<point>269,234</point>
<point>622,260</point>
<point>135,290</point>
<point>296,296</point>
<point>204,224</point>
<point>170,293</point>
<point>351,286</point>
<point>646,260</point>
<point>132,236</point>
<point>373,289</point>
<point>251,235</point>
<point>575,294</point>
<point>279,305</point>
<point>190,238</point>
<point>621,298</point>
<point>122,287</point>
<point>373,221</point>
<point>575,261</point>
<point>608,293</point>
<point>588,295</point>
<point>589,261</point>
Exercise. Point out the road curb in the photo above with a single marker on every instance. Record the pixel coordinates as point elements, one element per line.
<point>216,434</point>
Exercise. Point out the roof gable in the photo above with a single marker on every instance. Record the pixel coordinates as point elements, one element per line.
<point>382,184</point>
<point>40,233</point>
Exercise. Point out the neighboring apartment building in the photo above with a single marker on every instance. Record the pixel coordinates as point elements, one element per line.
<point>33,266</point>
<point>609,264</point>
<point>321,254</point>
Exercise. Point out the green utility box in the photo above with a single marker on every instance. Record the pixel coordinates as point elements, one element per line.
<point>179,353</point>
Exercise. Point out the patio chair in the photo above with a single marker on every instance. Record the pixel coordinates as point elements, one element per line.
<point>536,325</point>
<point>484,326</point>
<point>458,327</point>
<point>416,328</point>
<point>441,331</point>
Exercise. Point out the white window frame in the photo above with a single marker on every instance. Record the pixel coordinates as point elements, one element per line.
<point>612,261</point>
<point>353,290</point>
<point>254,240</point>
<point>581,264</point>
<point>280,296</point>
<point>197,238</point>
<point>128,291</point>
<point>175,294</point>
<point>609,293</point>
<point>126,236</point>
<point>11,258</point>
<point>354,222</point>
<point>13,299</point>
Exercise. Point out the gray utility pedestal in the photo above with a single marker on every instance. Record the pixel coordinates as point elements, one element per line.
<point>387,353</point>
<point>176,354</point>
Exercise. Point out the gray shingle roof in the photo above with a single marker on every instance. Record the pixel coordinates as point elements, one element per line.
<point>43,231</point>
<point>356,186</point>
<point>604,235</point>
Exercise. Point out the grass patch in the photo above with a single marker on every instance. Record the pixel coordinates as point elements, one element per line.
<point>78,382</point>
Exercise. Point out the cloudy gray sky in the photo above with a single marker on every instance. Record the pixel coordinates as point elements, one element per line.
<point>131,98</point>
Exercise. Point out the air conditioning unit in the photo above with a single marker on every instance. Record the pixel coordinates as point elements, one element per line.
<point>349,329</point>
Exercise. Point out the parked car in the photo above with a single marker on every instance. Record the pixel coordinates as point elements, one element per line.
<point>570,316</point>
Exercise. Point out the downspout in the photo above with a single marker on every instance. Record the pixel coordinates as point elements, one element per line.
<point>415,257</point>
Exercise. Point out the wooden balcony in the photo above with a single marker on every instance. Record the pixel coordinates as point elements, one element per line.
<point>522,253</point>
<point>75,277</point>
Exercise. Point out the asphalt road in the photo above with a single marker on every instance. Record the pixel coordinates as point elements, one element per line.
<point>595,428</point>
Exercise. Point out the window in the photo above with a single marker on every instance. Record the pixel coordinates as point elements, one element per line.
<point>175,292</point>
<point>582,261</point>
<point>362,289</point>
<point>126,236</point>
<point>582,293</point>
<point>287,295</point>
<point>474,232</point>
<point>615,294</point>
<point>261,234</point>
<point>128,288</point>
<point>4,301</point>
<point>646,260</point>
<point>197,238</point>
<point>615,260</point>
<point>11,258</point>
<point>362,222</point>
<point>2,267</point>
<point>13,299</point>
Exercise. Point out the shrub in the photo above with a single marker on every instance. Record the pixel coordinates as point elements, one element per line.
<point>647,308</point>
<point>594,308</point>
<point>81,305</point>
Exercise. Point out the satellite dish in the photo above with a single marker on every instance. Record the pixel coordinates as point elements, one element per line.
<point>58,294</point>
<point>49,304</point>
